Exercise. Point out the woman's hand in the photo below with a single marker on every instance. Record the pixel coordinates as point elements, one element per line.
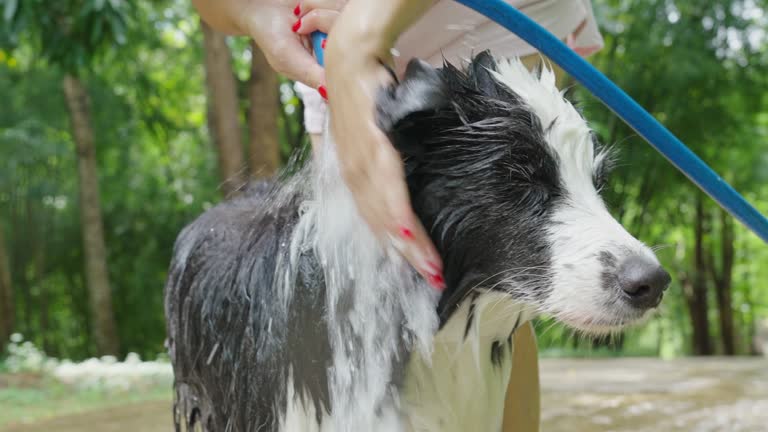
<point>372,168</point>
<point>370,165</point>
<point>278,27</point>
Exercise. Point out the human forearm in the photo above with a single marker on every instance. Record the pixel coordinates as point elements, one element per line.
<point>224,15</point>
<point>359,41</point>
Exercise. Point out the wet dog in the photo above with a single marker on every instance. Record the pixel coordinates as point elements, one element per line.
<point>286,314</point>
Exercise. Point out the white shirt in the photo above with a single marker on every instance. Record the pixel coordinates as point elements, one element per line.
<point>455,32</point>
<point>452,30</point>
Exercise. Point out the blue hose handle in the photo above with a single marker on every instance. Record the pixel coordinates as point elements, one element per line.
<point>317,46</point>
<point>620,103</point>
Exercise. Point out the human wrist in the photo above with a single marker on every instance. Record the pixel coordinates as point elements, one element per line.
<point>370,28</point>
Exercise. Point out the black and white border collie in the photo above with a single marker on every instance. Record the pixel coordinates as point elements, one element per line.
<point>286,314</point>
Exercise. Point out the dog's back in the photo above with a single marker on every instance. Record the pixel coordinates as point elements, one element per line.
<point>231,341</point>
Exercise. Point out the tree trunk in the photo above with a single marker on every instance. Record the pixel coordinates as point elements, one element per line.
<point>223,110</point>
<point>41,296</point>
<point>697,297</point>
<point>95,251</point>
<point>45,315</point>
<point>7,309</point>
<point>724,282</point>
<point>264,146</point>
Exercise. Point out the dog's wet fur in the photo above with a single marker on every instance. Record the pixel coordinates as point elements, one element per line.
<point>285,314</point>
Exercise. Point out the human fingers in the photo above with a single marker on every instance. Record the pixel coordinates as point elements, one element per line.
<point>287,54</point>
<point>378,186</point>
<point>306,6</point>
<point>413,241</point>
<point>316,20</point>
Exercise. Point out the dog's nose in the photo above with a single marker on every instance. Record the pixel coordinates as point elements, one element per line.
<point>643,281</point>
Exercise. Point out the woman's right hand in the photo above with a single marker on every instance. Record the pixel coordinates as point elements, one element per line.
<point>371,166</point>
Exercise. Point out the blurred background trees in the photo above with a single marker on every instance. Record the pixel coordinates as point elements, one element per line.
<point>135,117</point>
<point>700,67</point>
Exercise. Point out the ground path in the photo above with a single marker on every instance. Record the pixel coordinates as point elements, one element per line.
<point>621,395</point>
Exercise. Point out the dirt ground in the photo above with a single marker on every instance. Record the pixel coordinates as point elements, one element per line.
<point>137,417</point>
<point>622,395</point>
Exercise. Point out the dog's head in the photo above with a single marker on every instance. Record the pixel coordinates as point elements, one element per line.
<point>506,176</point>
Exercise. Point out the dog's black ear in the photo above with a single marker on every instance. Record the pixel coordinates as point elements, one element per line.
<point>481,74</point>
<point>404,108</point>
<point>480,71</point>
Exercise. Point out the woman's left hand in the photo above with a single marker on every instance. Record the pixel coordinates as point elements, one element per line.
<point>280,29</point>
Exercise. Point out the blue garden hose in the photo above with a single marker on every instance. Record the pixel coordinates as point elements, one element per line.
<point>620,103</point>
<point>317,46</point>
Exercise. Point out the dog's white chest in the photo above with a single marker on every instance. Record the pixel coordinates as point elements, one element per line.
<point>463,386</point>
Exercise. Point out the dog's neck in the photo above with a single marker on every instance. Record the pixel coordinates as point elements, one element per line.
<point>463,385</point>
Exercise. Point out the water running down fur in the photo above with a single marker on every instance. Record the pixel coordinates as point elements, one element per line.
<point>285,314</point>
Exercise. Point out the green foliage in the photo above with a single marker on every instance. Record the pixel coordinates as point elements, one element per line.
<point>67,32</point>
<point>157,171</point>
<point>695,66</point>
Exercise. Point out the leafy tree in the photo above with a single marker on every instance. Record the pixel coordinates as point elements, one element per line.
<point>694,65</point>
<point>70,34</point>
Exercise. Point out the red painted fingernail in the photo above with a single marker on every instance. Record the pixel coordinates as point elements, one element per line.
<point>322,45</point>
<point>297,10</point>
<point>405,232</point>
<point>437,282</point>
<point>296,26</point>
<point>434,267</point>
<point>323,92</point>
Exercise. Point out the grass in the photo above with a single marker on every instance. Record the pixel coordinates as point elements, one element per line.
<point>26,398</point>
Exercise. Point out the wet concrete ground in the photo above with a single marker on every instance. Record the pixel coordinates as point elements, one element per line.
<point>639,395</point>
<point>694,395</point>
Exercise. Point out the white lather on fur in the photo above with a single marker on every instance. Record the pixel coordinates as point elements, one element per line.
<point>353,260</point>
